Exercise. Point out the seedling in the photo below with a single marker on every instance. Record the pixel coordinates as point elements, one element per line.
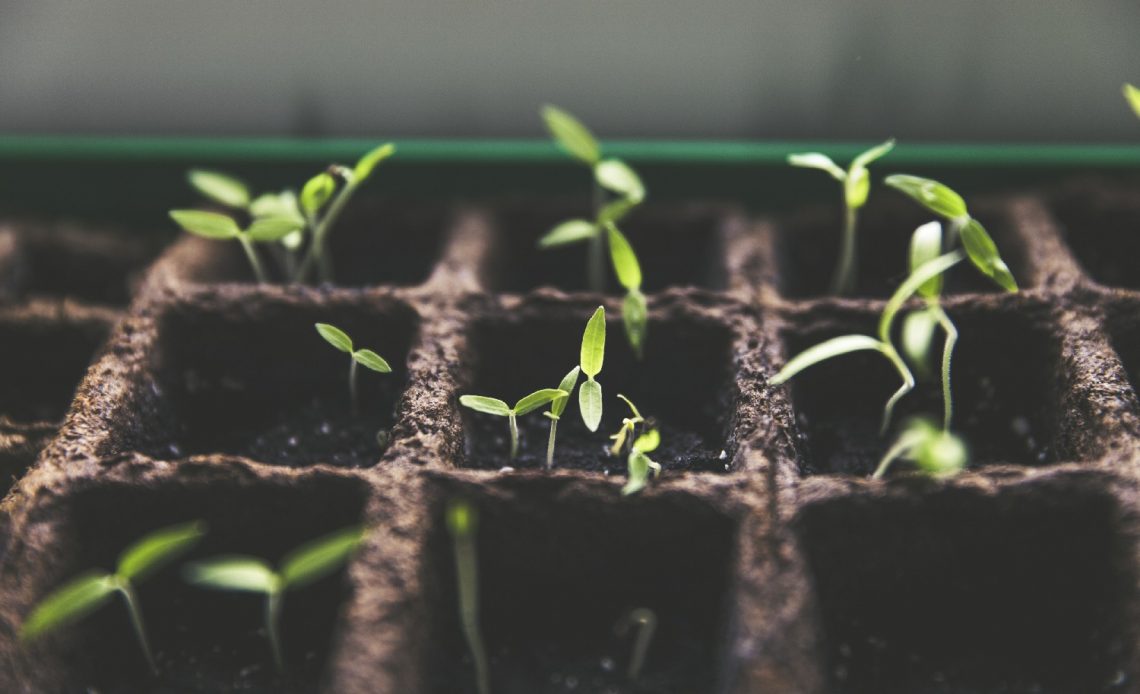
<point>634,311</point>
<point>462,522</point>
<point>557,407</point>
<point>624,437</point>
<point>644,620</point>
<point>856,182</point>
<point>934,450</point>
<point>1132,95</point>
<point>301,567</point>
<point>529,403</point>
<point>610,174</point>
<point>639,463</point>
<point>593,353</point>
<point>213,225</point>
<point>366,357</point>
<point>88,592</point>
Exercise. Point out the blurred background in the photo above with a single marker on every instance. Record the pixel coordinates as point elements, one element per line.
<point>1006,70</point>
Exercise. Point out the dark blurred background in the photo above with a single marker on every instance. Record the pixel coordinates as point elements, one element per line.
<point>1012,70</point>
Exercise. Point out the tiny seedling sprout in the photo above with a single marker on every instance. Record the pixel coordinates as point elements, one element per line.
<point>593,353</point>
<point>214,225</point>
<point>301,567</point>
<point>856,183</point>
<point>633,308</point>
<point>1132,95</point>
<point>369,359</point>
<point>624,437</point>
<point>462,522</point>
<point>934,450</point>
<point>644,621</point>
<point>557,407</point>
<point>529,403</point>
<point>639,463</point>
<point>88,592</point>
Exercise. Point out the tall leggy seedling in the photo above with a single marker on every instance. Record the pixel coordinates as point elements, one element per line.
<point>856,182</point>
<point>88,592</point>
<point>529,403</point>
<point>369,359</point>
<point>462,522</point>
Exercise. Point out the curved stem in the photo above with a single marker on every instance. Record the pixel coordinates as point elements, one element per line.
<point>254,261</point>
<point>132,601</point>
<point>273,625</point>
<point>646,623</point>
<point>352,394</point>
<point>843,281</point>
<point>905,443</point>
<point>512,421</point>
<point>947,354</point>
<point>908,385</point>
<point>550,444</point>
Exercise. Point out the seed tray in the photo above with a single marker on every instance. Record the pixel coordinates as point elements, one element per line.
<point>772,562</point>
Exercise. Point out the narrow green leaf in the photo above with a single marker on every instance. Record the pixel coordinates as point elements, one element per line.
<point>910,285</point>
<point>158,548</point>
<point>369,161</point>
<point>594,343</point>
<point>931,194</point>
<point>335,337</point>
<point>926,245</point>
<point>616,176</point>
<point>270,229</point>
<point>635,317</point>
<point>836,346</point>
<point>917,337</point>
<point>572,231</point>
<point>369,359</point>
<point>638,466</point>
<point>626,267</point>
<point>211,225</point>
<point>647,442</point>
<point>319,558</point>
<point>632,407</point>
<point>876,152</point>
<point>568,382</point>
<point>590,404</point>
<point>481,403</point>
<point>232,572</point>
<point>283,205</point>
<point>73,600</point>
<point>984,255</point>
<point>219,187</point>
<point>574,137</point>
<point>1132,94</point>
<point>317,192</point>
<point>537,399</point>
<point>816,160</point>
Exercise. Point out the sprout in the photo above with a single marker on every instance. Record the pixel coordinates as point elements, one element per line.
<point>639,463</point>
<point>593,353</point>
<point>611,175</point>
<point>557,407</point>
<point>301,567</point>
<point>633,308</point>
<point>1132,94</point>
<point>529,403</point>
<point>366,357</point>
<point>213,225</point>
<point>90,591</point>
<point>935,451</point>
<point>629,426</point>
<point>856,186</point>
<point>645,621</point>
<point>462,521</point>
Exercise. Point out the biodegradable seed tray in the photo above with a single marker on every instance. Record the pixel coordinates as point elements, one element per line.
<point>771,560</point>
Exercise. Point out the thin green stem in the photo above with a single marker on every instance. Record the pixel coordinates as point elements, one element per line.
<point>889,351</point>
<point>645,622</point>
<point>844,280</point>
<point>273,625</point>
<point>550,444</point>
<point>318,253</point>
<point>905,443</point>
<point>947,354</point>
<point>254,261</point>
<point>132,600</point>
<point>467,575</point>
<point>352,394</point>
<point>512,421</point>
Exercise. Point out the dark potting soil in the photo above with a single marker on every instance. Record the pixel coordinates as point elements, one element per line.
<point>1100,221</point>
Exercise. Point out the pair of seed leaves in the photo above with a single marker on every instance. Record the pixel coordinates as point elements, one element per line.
<point>340,340</point>
<point>856,179</point>
<point>611,174</point>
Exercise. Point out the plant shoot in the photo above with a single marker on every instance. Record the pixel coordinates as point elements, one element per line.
<point>593,353</point>
<point>644,621</point>
<point>634,312</point>
<point>557,407</point>
<point>935,451</point>
<point>639,464</point>
<point>364,357</point>
<point>624,437</point>
<point>529,403</point>
<point>462,522</point>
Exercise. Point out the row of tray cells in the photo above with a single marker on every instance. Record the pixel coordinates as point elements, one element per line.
<point>1029,589</point>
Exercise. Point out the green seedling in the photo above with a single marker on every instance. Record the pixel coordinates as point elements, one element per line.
<point>593,353</point>
<point>557,407</point>
<point>612,175</point>
<point>856,182</point>
<point>529,403</point>
<point>462,522</point>
<point>634,312</point>
<point>301,567</point>
<point>365,357</point>
<point>644,620</point>
<point>935,451</point>
<point>1132,95</point>
<point>624,437</point>
<point>639,463</point>
<point>213,225</point>
<point>88,592</point>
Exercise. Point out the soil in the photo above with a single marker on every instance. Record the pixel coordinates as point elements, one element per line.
<point>1099,222</point>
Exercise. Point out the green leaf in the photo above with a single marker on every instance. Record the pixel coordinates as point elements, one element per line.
<point>574,137</point>
<point>917,337</point>
<point>283,205</point>
<point>856,188</point>
<point>233,572</point>
<point>926,245</point>
<point>635,317</point>
<point>481,403</point>
<point>537,399</point>
<point>616,210</point>
<point>836,346</point>
<point>632,407</point>
<point>647,442</point>
<point>317,192</point>
<point>931,194</point>
<point>1132,94</point>
<point>369,359</point>
<point>158,548</point>
<point>270,229</point>
<point>816,160</point>
<point>75,599</point>
<point>626,267</point>
<point>910,285</point>
<point>594,343</point>
<point>569,232</point>
<point>369,161</point>
<point>335,337</point>
<point>984,255</point>
<point>568,382</point>
<point>616,176</point>
<point>219,187</point>
<point>211,225</point>
<point>638,465</point>
<point>319,558</point>
<point>876,152</point>
<point>590,404</point>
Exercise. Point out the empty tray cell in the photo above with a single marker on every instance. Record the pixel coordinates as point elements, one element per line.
<point>1005,383</point>
<point>683,383</point>
<point>252,377</point>
<point>807,248</point>
<point>557,572</point>
<point>203,640</point>
<point>960,591</point>
<point>1100,220</point>
<point>676,245</point>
